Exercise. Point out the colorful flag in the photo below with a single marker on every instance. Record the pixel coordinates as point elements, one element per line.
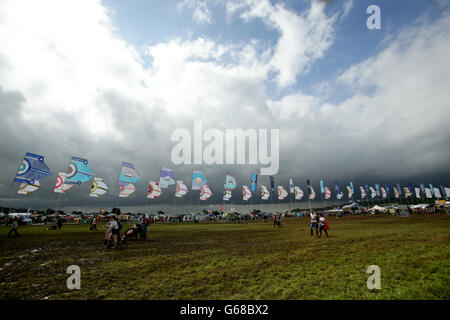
<point>447,192</point>
<point>78,171</point>
<point>327,193</point>
<point>282,193</point>
<point>431,189</point>
<point>410,188</point>
<point>406,191</point>
<point>373,192</point>
<point>383,193</point>
<point>428,193</point>
<point>181,189</point>
<point>254,181</point>
<point>422,188</point>
<point>363,192</point>
<point>198,179</point>
<point>312,195</point>
<point>337,188</point>
<point>396,194</point>
<point>226,194</point>
<point>27,189</point>
<point>153,190</point>
<point>128,176</point>
<point>417,193</point>
<point>166,178</point>
<point>388,191</point>
<point>377,190</point>
<point>98,188</point>
<point>322,189</point>
<point>437,193</point>
<point>205,192</point>
<point>291,186</point>
<point>61,186</point>
<point>298,193</point>
<point>351,186</point>
<point>32,169</point>
<point>126,190</point>
<point>399,189</point>
<point>230,181</point>
<point>349,192</point>
<point>246,193</point>
<point>265,194</point>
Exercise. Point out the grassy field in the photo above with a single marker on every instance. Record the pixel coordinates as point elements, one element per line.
<point>235,261</point>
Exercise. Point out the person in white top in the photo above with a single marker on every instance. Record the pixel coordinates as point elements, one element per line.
<point>108,233</point>
<point>313,223</point>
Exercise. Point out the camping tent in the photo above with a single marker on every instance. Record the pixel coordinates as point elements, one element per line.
<point>420,206</point>
<point>354,205</point>
<point>378,208</point>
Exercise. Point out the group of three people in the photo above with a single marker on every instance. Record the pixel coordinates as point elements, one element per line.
<point>113,227</point>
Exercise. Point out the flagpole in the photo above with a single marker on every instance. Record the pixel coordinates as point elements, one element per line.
<point>118,188</point>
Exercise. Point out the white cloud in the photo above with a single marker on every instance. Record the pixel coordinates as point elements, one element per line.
<point>303,38</point>
<point>200,11</point>
<point>347,7</point>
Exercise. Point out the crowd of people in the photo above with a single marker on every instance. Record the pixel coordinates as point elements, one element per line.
<point>114,236</point>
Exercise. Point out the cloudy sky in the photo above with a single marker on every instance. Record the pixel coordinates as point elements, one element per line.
<point>111,80</point>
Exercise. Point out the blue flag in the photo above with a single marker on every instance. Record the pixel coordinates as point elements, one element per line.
<point>198,179</point>
<point>166,178</point>
<point>254,181</point>
<point>422,188</point>
<point>322,189</point>
<point>230,181</point>
<point>377,190</point>
<point>32,169</point>
<point>79,171</point>
<point>337,188</point>
<point>387,189</point>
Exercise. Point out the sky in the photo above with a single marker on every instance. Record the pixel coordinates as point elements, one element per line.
<point>110,81</point>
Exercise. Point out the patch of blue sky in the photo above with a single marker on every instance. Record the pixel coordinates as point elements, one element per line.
<point>143,22</point>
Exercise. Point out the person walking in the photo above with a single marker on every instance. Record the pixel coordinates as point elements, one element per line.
<point>14,227</point>
<point>108,233</point>
<point>279,220</point>
<point>313,222</point>
<point>323,226</point>
<point>115,231</point>
<point>59,222</point>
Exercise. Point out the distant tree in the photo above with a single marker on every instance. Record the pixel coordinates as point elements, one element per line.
<point>160,212</point>
<point>116,211</point>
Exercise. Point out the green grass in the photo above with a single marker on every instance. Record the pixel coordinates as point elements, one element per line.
<point>235,261</point>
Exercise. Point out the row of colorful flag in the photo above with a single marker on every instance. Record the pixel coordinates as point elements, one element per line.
<point>33,169</point>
